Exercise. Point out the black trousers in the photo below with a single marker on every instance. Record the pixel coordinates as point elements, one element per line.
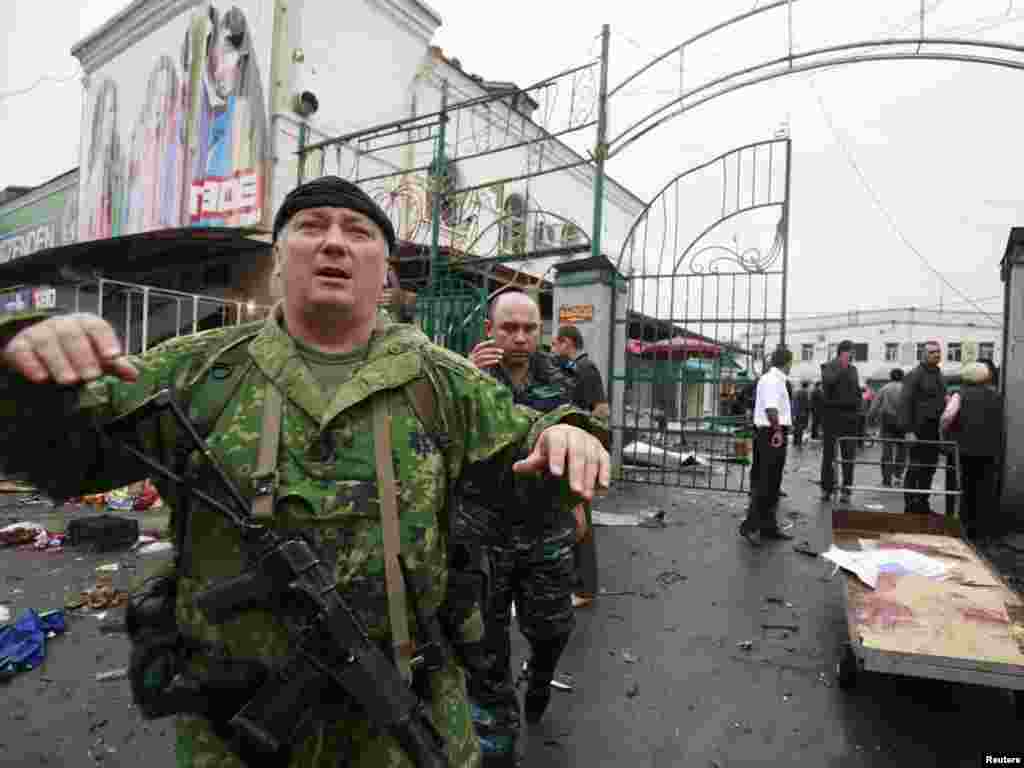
<point>764,500</point>
<point>924,460</point>
<point>815,425</point>
<point>979,503</point>
<point>836,427</point>
<point>894,455</point>
<point>798,431</point>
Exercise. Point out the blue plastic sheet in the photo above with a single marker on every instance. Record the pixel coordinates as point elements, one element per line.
<point>23,643</point>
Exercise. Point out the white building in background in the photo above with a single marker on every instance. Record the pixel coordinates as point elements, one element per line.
<point>887,338</point>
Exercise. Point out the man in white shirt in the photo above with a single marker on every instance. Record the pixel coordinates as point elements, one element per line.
<point>773,418</point>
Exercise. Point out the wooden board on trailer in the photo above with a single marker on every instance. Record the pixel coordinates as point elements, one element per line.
<point>972,619</point>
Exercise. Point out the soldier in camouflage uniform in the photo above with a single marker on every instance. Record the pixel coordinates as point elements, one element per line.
<point>532,559</point>
<point>326,351</point>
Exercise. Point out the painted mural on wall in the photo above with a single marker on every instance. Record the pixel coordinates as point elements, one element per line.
<point>195,153</point>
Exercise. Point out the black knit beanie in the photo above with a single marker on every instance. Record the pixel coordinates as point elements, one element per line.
<point>336,193</point>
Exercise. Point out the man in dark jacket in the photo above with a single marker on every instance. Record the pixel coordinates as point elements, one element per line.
<point>841,400</point>
<point>922,402</point>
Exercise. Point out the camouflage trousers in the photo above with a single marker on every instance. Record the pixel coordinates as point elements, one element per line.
<point>536,572</point>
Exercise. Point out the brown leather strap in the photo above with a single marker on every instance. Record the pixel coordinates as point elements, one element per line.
<point>387,491</point>
<point>265,477</point>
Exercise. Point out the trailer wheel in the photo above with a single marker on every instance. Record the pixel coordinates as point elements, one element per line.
<point>846,668</point>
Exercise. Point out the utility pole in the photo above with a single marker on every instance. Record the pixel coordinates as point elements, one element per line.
<point>601,149</point>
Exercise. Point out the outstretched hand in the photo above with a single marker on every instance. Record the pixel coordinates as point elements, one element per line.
<point>68,349</point>
<point>563,445</point>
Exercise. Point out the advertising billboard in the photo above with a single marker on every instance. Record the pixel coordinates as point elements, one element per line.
<point>175,127</point>
<point>47,222</point>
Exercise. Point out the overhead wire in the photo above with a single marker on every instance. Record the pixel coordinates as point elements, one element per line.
<point>837,136</point>
<point>4,95</point>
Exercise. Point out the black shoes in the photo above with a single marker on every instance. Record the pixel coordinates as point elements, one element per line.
<point>750,533</point>
<point>756,536</point>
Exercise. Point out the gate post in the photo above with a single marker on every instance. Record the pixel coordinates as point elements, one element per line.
<point>590,293</point>
<point>1011,382</point>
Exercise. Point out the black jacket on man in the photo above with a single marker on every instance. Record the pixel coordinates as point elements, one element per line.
<point>840,390</point>
<point>923,399</point>
<point>979,422</point>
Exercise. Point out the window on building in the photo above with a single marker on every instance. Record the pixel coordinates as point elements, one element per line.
<point>892,352</point>
<point>757,350</point>
<point>806,352</point>
<point>513,228</point>
<point>860,353</point>
<point>987,350</point>
<point>832,351</point>
<point>921,354</point>
<point>954,352</point>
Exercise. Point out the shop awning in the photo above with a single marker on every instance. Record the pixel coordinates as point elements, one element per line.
<point>184,246</point>
<point>676,348</point>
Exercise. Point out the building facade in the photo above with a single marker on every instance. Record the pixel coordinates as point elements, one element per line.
<point>191,135</point>
<point>886,339</point>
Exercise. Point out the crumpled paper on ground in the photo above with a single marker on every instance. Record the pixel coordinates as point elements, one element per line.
<point>23,643</point>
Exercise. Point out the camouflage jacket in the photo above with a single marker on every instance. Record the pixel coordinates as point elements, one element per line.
<point>331,500</point>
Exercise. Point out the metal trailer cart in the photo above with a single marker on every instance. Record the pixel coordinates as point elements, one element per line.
<point>965,628</point>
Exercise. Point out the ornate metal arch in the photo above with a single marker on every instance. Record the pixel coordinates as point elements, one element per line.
<point>739,196</point>
<point>920,48</point>
<point>520,248</point>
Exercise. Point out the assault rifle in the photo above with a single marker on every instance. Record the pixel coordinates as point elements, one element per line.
<point>332,649</point>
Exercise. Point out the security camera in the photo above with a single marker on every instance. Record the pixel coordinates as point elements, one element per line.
<point>306,104</point>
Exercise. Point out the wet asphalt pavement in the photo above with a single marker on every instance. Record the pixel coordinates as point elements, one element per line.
<point>660,676</point>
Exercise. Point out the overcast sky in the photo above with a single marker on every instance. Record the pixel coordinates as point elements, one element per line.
<point>892,162</point>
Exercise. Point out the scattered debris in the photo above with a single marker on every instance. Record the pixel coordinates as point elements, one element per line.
<point>745,645</point>
<point>771,599</point>
<point>156,547</point>
<point>101,596</point>
<point>668,578</point>
<point>612,519</point>
<point>27,535</point>
<point>785,627</point>
<point>23,643</point>
<point>114,674</point>
<point>109,567</point>
<point>629,657</point>
<point>633,690</point>
<point>563,682</point>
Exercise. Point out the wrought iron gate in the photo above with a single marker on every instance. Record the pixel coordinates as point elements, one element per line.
<point>703,315</point>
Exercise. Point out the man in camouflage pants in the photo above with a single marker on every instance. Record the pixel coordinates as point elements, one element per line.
<point>532,559</point>
<point>333,366</point>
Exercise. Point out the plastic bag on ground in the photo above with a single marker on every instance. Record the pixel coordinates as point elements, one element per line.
<point>23,643</point>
